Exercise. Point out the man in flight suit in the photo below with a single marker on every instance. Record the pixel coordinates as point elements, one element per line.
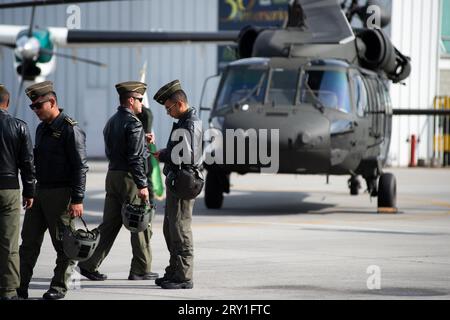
<point>61,167</point>
<point>178,212</point>
<point>16,153</point>
<point>126,181</point>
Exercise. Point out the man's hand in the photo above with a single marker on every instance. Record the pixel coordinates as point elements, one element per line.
<point>143,194</point>
<point>27,203</point>
<point>150,137</point>
<point>76,210</point>
<point>156,155</point>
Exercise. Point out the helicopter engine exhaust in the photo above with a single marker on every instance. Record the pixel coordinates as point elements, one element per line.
<point>246,40</point>
<point>376,52</point>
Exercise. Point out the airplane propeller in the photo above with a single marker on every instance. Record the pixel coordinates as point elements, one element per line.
<point>28,49</point>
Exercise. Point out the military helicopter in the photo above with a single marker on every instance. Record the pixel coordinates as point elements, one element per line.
<point>324,86</point>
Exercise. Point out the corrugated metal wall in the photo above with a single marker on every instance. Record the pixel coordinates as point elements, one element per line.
<point>87,92</point>
<point>415,32</point>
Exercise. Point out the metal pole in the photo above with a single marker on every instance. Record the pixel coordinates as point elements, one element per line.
<point>412,156</point>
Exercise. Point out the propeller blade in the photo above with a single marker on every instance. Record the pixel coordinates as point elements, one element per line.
<point>68,56</point>
<point>22,80</point>
<point>11,46</point>
<point>30,28</point>
<point>44,3</point>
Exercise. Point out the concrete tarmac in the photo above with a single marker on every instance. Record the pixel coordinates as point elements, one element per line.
<point>289,237</point>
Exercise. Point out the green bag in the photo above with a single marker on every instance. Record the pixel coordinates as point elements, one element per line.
<point>158,185</point>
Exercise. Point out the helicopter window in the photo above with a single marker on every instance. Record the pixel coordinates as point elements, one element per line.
<point>283,86</point>
<point>360,95</point>
<point>242,84</point>
<point>330,87</point>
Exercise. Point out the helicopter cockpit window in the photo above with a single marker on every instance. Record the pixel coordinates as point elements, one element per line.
<point>360,95</point>
<point>242,84</point>
<point>328,87</point>
<point>283,86</point>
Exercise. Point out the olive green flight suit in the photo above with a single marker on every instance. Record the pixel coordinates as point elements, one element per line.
<point>16,155</point>
<point>120,188</point>
<point>49,211</point>
<point>9,242</point>
<point>61,167</point>
<point>178,234</point>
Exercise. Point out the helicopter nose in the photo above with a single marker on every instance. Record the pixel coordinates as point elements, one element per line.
<point>308,132</point>
<point>303,135</point>
<point>305,143</point>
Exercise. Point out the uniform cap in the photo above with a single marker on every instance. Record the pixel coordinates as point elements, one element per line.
<point>167,91</point>
<point>131,86</point>
<point>39,89</point>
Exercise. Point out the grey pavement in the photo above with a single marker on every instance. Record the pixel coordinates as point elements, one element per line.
<point>289,237</point>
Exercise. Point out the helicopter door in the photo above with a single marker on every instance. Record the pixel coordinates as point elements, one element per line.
<point>376,110</point>
<point>356,122</point>
<point>361,103</point>
<point>387,119</point>
<point>381,110</point>
<point>208,95</point>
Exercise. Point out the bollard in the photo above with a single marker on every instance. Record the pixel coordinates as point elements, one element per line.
<point>412,157</point>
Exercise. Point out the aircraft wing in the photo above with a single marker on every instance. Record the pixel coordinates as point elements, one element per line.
<point>8,34</point>
<point>326,21</point>
<point>63,37</point>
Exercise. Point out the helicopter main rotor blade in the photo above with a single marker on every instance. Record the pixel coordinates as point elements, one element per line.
<point>68,56</point>
<point>30,27</point>
<point>421,112</point>
<point>123,37</point>
<point>25,4</point>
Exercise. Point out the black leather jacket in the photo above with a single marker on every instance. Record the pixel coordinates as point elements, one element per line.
<point>60,156</point>
<point>125,145</point>
<point>16,153</point>
<point>191,138</point>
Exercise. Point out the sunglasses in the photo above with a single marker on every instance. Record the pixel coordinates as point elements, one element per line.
<point>168,109</point>
<point>38,105</point>
<point>140,99</point>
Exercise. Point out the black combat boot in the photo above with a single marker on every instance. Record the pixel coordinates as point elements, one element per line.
<point>94,276</point>
<point>53,294</point>
<point>177,285</point>
<point>22,293</point>
<point>145,276</point>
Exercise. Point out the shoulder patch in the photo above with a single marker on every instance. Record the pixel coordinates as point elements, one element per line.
<point>70,121</point>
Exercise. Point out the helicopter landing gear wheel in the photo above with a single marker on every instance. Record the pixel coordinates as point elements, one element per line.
<point>387,193</point>
<point>213,191</point>
<point>354,184</point>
